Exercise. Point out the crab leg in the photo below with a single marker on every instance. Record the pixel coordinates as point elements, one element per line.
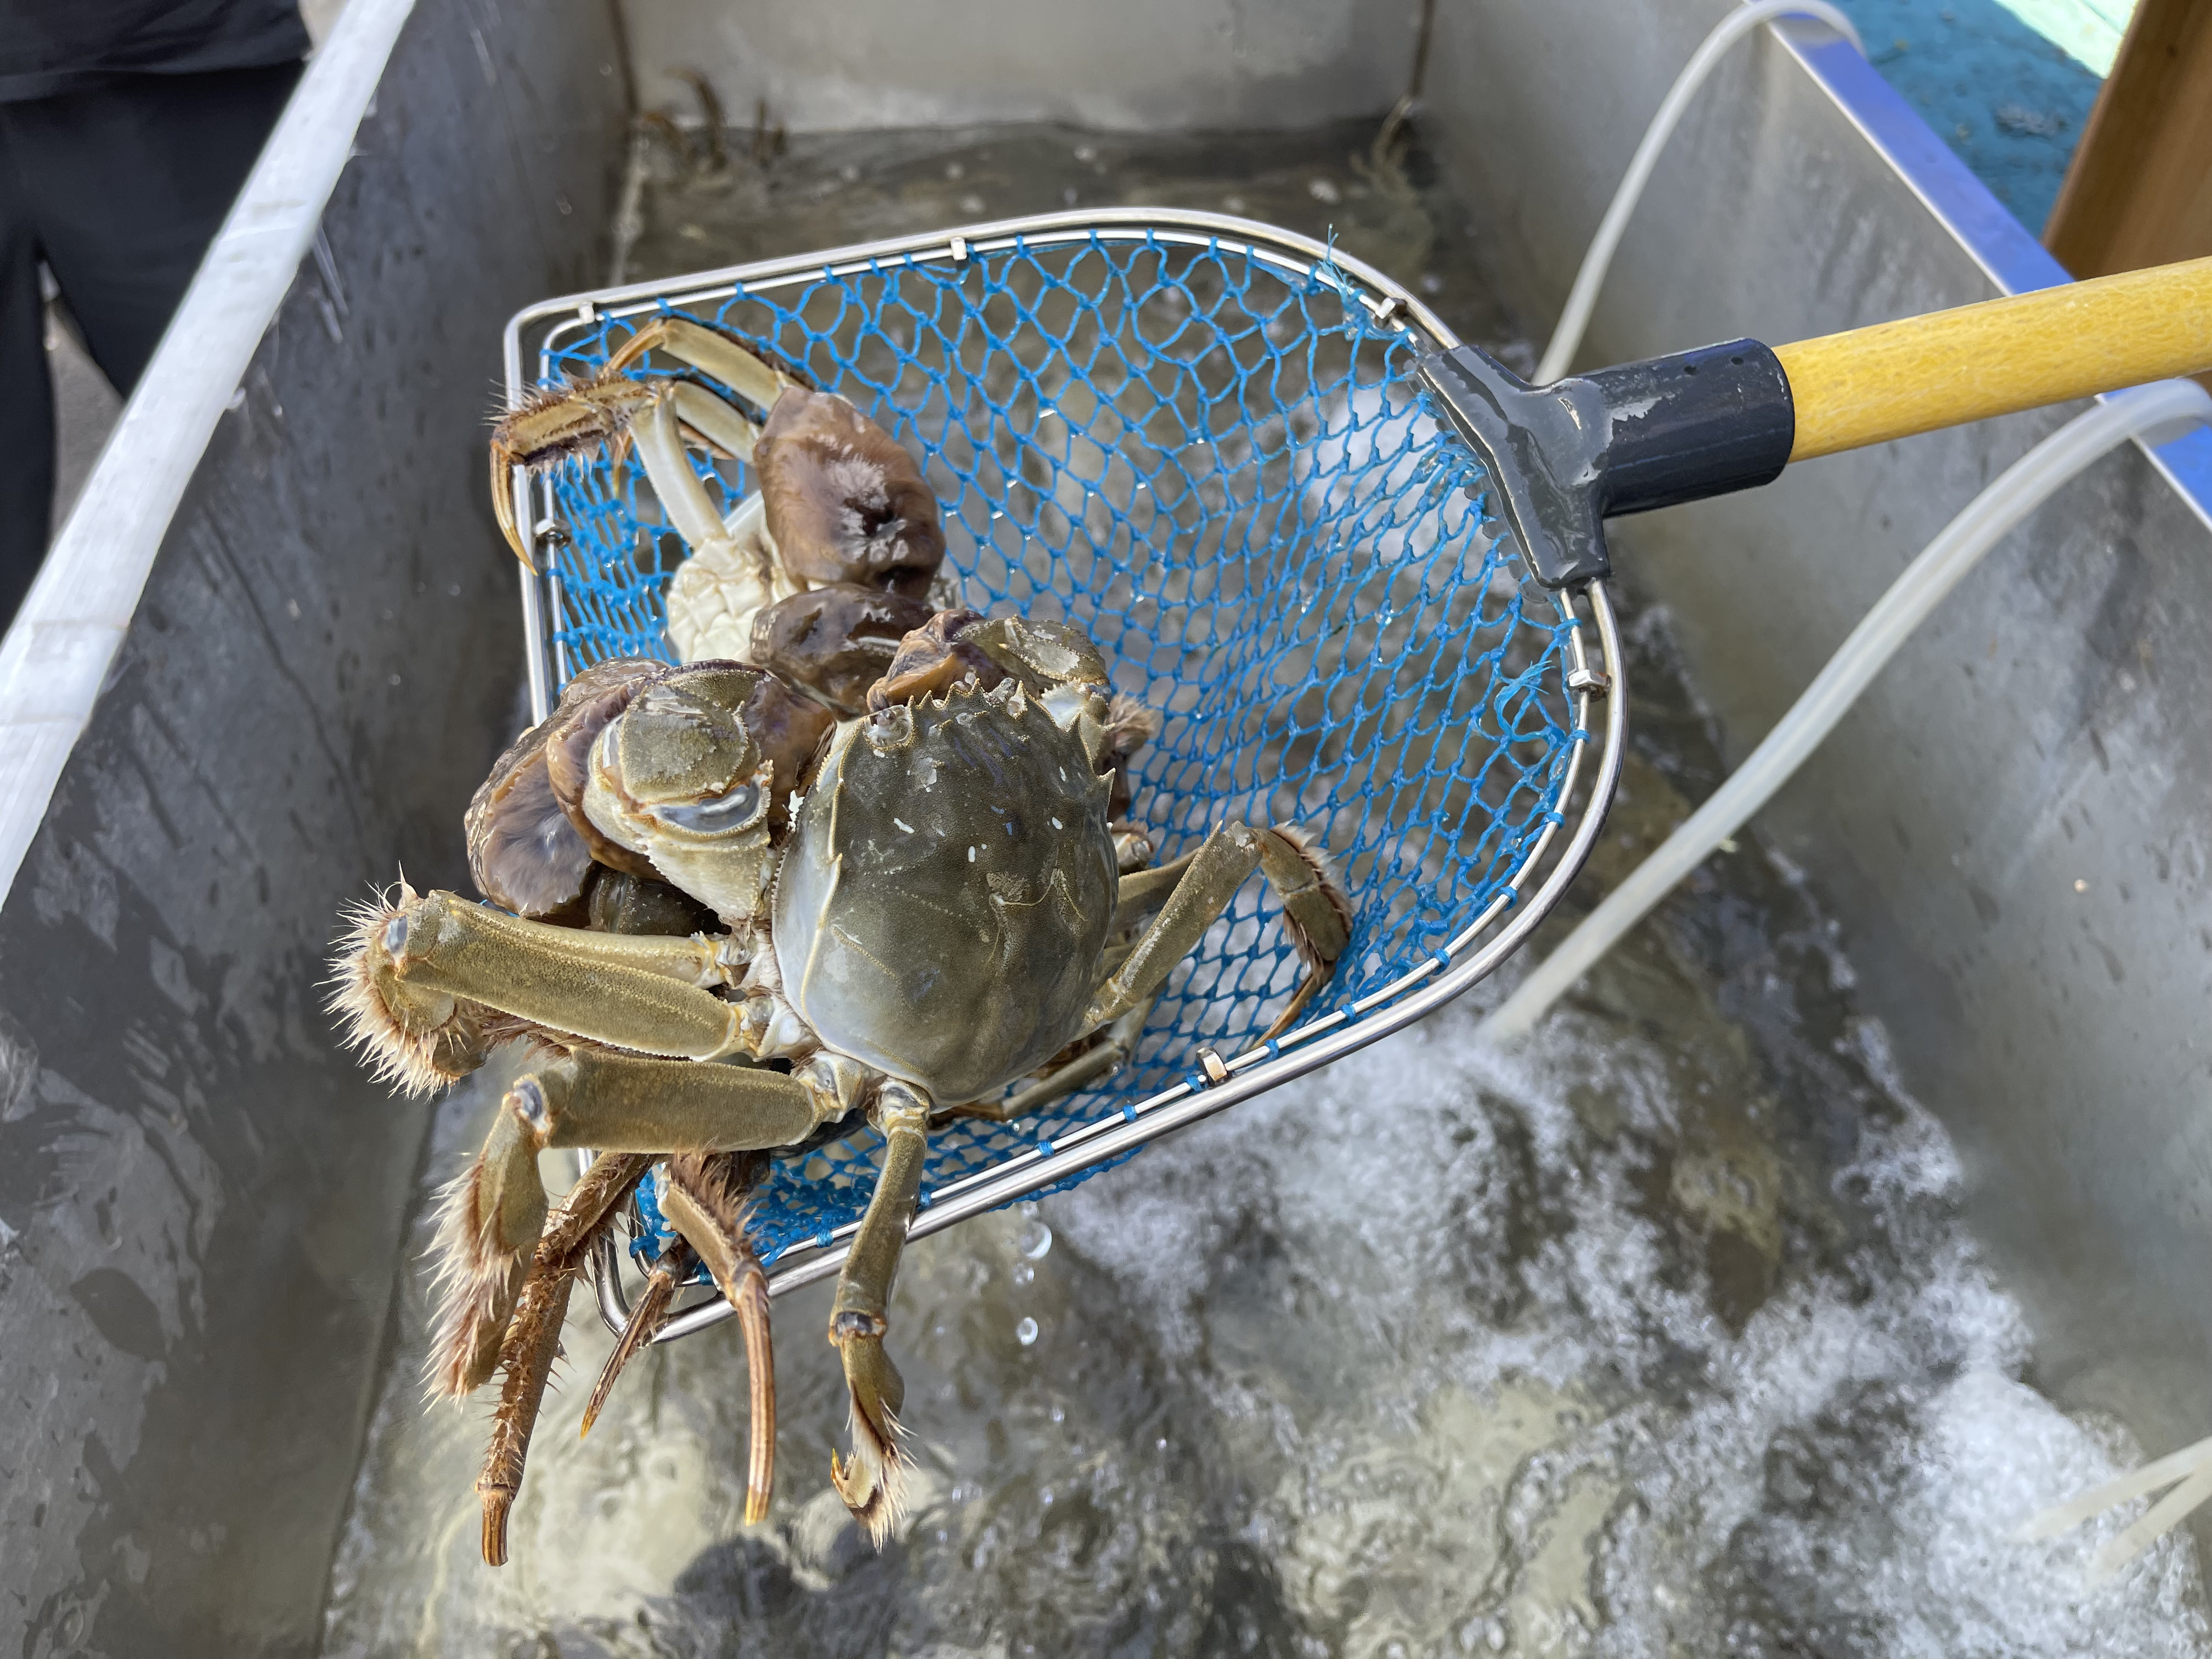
<point>1147,888</point>
<point>616,1103</point>
<point>872,1484</point>
<point>597,412</point>
<point>706,1200</point>
<point>715,419</point>
<point>489,1222</point>
<point>1314,911</point>
<point>701,959</point>
<point>612,1104</point>
<point>534,1336</point>
<point>683,494</point>
<point>1100,1061</point>
<point>710,352</point>
<point>650,1314</point>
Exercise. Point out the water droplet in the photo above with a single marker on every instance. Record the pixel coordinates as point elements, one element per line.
<point>1026,1332</point>
<point>1058,1415</point>
<point>1036,1241</point>
<point>1023,1273</point>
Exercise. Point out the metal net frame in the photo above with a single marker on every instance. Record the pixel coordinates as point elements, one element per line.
<point>1199,440</point>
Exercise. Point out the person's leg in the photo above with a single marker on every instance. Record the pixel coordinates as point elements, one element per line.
<point>27,397</point>
<point>132,180</point>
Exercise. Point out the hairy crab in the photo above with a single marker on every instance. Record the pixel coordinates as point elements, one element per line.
<point>912,912</point>
<point>867,869</point>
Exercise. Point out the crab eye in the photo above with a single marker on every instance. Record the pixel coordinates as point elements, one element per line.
<point>735,811</point>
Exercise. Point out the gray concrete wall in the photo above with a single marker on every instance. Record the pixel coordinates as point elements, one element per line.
<point>2047,729</point>
<point>1137,64</point>
<point>200,1197</point>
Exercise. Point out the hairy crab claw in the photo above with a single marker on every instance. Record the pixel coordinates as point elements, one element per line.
<point>947,921</point>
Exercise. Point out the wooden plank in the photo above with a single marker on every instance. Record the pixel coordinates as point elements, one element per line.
<point>2140,190</point>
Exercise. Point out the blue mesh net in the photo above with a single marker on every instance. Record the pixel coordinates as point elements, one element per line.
<point>1221,468</point>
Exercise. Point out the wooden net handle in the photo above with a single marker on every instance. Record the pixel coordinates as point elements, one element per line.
<point>1951,366</point>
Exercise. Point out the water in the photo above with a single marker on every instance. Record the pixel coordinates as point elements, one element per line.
<point>1661,1336</point>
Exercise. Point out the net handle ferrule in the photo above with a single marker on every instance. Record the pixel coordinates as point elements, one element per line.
<point>1564,458</point>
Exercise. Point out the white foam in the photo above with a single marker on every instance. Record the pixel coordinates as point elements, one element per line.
<point>1842,1474</point>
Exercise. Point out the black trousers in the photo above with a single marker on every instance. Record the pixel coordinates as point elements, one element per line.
<point>117,190</point>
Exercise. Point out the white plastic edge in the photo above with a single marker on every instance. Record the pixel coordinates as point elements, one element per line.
<point>56,653</point>
<point>2156,412</point>
<point>1581,298</point>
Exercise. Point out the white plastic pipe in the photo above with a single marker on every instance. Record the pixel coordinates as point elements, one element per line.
<point>1567,338</point>
<point>57,651</point>
<point>2156,414</point>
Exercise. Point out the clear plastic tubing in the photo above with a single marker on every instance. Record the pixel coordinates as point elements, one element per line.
<point>1567,338</point>
<point>2156,414</point>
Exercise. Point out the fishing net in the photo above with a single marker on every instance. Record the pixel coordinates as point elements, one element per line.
<point>1212,458</point>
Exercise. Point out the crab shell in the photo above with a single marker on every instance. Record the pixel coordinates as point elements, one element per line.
<point>941,908</point>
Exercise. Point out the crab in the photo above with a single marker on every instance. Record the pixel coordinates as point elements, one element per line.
<point>842,528</point>
<point>924,912</point>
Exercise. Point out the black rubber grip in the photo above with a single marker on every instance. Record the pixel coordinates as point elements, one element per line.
<point>1694,425</point>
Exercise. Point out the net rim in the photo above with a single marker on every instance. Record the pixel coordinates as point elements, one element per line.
<point>1314,1043</point>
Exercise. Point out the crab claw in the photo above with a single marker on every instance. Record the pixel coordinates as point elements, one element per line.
<point>872,1482</point>
<point>413,1040</point>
